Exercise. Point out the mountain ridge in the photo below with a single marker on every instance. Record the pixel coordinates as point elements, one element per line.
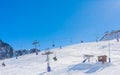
<point>115,34</point>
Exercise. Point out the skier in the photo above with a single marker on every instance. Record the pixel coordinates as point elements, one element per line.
<point>16,55</point>
<point>60,47</point>
<point>36,52</point>
<point>48,67</point>
<point>117,40</point>
<point>3,64</point>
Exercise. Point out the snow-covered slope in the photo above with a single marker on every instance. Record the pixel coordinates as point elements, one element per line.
<point>69,61</point>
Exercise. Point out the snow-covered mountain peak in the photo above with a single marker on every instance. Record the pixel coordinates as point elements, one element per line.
<point>111,35</point>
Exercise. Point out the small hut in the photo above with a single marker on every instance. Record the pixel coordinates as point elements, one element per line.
<point>87,57</point>
<point>102,58</point>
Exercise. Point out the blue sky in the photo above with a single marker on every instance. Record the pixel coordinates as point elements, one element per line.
<point>56,21</point>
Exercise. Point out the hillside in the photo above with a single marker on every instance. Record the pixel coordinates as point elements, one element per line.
<point>69,61</point>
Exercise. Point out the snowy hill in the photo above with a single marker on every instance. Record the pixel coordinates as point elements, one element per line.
<point>69,61</point>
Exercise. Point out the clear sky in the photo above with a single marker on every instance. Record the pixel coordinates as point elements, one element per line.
<point>56,21</point>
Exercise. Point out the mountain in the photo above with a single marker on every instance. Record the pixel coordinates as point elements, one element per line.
<point>111,35</point>
<point>6,51</point>
<point>69,61</point>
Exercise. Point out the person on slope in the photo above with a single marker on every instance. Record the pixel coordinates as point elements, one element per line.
<point>3,64</point>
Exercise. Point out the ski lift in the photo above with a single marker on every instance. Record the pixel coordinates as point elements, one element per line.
<point>55,58</point>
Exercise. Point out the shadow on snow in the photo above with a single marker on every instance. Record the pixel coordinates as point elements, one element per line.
<point>42,73</point>
<point>89,68</point>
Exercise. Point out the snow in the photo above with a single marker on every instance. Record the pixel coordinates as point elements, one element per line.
<point>69,61</point>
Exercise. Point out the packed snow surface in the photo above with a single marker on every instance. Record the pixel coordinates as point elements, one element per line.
<point>69,61</point>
